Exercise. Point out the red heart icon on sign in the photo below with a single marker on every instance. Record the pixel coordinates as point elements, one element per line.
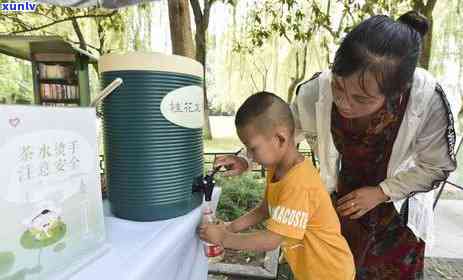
<point>15,122</point>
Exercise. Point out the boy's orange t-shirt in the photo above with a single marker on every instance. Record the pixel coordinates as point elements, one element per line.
<point>300,209</point>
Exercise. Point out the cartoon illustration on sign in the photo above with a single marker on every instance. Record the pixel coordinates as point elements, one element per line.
<point>43,229</point>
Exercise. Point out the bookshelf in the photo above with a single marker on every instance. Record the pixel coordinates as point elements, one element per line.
<point>60,70</point>
<point>58,84</point>
<point>57,79</point>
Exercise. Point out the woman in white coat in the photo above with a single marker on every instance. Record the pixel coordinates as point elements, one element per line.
<point>383,132</point>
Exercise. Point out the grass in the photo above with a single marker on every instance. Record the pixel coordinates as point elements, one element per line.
<point>239,195</point>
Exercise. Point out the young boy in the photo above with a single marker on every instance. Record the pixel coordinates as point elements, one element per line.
<point>297,209</point>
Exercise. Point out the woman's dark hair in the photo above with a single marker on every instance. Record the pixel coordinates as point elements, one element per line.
<point>386,48</point>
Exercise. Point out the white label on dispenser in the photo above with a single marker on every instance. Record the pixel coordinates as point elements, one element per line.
<point>184,107</point>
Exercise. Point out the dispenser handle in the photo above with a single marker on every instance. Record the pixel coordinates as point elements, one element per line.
<point>106,91</point>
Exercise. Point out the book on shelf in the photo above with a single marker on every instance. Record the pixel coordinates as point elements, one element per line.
<point>54,104</point>
<point>59,92</point>
<point>65,73</point>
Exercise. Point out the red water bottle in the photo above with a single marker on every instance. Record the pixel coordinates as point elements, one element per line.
<point>215,253</point>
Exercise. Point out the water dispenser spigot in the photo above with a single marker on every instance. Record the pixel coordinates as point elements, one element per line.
<point>206,184</point>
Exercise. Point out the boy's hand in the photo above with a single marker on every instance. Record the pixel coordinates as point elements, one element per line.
<point>229,227</point>
<point>214,234</point>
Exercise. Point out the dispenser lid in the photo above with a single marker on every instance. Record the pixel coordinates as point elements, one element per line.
<point>151,62</point>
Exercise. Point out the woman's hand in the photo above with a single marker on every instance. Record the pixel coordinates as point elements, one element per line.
<point>357,203</point>
<point>235,165</point>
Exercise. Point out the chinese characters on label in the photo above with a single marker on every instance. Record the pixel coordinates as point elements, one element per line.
<point>184,107</point>
<point>47,159</point>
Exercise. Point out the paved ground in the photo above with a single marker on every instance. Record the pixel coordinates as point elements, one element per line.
<point>440,268</point>
<point>435,269</point>
<point>448,234</point>
<point>445,258</point>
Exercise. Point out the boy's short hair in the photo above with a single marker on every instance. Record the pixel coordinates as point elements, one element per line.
<point>265,111</point>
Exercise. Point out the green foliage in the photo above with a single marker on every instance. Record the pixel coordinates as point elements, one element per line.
<point>68,23</point>
<point>261,46</point>
<point>302,23</point>
<point>448,39</point>
<point>224,110</point>
<point>15,80</point>
<point>239,195</point>
<point>298,21</point>
<point>102,31</point>
<point>248,254</point>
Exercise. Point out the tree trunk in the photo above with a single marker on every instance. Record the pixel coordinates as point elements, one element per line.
<point>230,57</point>
<point>78,31</point>
<point>148,25</point>
<point>299,74</point>
<point>137,46</point>
<point>426,10</point>
<point>200,39</point>
<point>426,46</point>
<point>276,48</point>
<point>180,28</point>
<point>101,36</point>
<point>202,23</point>
<point>291,89</point>
<point>207,124</point>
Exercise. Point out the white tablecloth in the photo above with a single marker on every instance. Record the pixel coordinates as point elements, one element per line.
<point>164,250</point>
<point>167,250</point>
